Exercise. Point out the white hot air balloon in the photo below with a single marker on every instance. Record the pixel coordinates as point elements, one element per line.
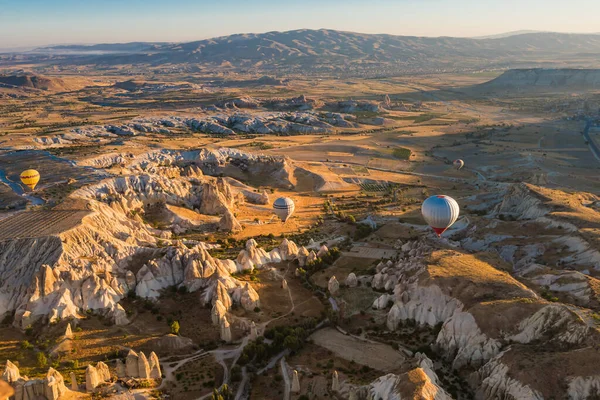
<point>458,164</point>
<point>440,212</point>
<point>284,208</point>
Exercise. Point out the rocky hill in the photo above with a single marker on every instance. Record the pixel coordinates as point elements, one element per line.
<point>539,78</point>
<point>32,82</point>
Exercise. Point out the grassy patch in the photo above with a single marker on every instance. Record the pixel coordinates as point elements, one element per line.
<point>426,117</point>
<point>401,153</point>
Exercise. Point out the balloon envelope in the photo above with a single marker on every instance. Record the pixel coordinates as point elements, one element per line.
<point>440,212</point>
<point>30,178</point>
<point>458,164</point>
<point>284,208</point>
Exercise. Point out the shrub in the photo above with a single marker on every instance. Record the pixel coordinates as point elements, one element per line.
<point>175,328</point>
<point>25,345</point>
<point>42,361</point>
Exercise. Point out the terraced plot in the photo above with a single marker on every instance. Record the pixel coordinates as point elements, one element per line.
<point>39,223</point>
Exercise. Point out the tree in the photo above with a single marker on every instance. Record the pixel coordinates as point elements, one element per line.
<point>41,360</point>
<point>216,395</point>
<point>175,327</point>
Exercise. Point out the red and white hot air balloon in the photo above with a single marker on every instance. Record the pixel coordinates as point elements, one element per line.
<point>440,212</point>
<point>458,164</point>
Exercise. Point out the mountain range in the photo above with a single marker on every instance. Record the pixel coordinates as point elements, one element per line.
<point>336,51</point>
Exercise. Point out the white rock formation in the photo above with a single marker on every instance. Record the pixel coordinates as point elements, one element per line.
<point>68,332</point>
<point>229,223</point>
<point>120,367</point>
<point>225,330</point>
<point>218,312</point>
<point>351,280</point>
<point>496,383</point>
<point>51,387</point>
<point>333,286</point>
<point>335,382</point>
<point>74,385</point>
<point>295,382</point>
<point>581,388</point>
<point>253,331</point>
<point>11,372</point>
<point>381,303</point>
<point>132,365</point>
<point>143,366</point>
<point>322,251</point>
<point>92,381</point>
<point>155,371</point>
<point>103,372</point>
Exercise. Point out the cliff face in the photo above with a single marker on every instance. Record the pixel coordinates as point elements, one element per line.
<point>562,255</point>
<point>96,263</point>
<point>481,311</point>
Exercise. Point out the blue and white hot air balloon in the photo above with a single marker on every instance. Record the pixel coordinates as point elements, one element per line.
<point>284,208</point>
<point>440,212</point>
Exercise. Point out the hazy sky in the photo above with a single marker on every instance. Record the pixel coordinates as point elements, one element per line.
<point>38,22</point>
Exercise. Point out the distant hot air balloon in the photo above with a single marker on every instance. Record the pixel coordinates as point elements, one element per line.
<point>284,208</point>
<point>440,212</point>
<point>458,164</point>
<point>30,178</point>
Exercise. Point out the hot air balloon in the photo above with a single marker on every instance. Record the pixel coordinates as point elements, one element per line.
<point>30,178</point>
<point>458,164</point>
<point>440,212</point>
<point>284,208</point>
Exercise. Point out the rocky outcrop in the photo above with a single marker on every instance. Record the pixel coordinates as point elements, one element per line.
<point>92,378</point>
<point>229,223</point>
<point>68,332</point>
<point>74,384</point>
<point>225,330</point>
<point>155,371</point>
<point>11,372</point>
<point>351,280</point>
<point>172,344</point>
<point>469,336</point>
<point>333,286</point>
<point>581,388</point>
<point>132,364</point>
<point>418,382</point>
<point>218,312</point>
<point>335,382</point>
<point>93,265</point>
<point>51,387</point>
<point>519,202</point>
<point>217,198</point>
<point>495,382</point>
<point>103,372</point>
<point>295,382</point>
<point>143,366</point>
<point>253,331</point>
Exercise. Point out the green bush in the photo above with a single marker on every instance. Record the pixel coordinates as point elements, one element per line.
<point>42,361</point>
<point>401,153</point>
<point>175,328</point>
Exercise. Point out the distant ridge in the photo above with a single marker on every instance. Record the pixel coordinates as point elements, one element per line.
<point>547,78</point>
<point>508,34</point>
<point>329,51</point>
<point>31,81</point>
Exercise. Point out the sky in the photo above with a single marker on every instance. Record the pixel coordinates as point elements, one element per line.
<point>26,23</point>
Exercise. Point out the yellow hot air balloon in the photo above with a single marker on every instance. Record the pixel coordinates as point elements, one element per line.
<point>30,178</point>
